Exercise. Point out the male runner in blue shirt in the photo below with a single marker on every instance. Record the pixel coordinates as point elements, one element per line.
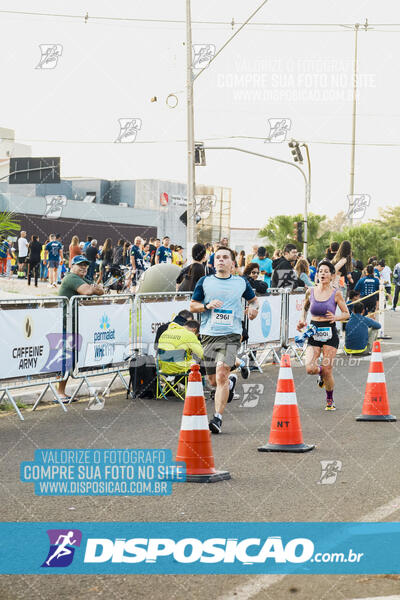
<point>164,253</point>
<point>219,300</point>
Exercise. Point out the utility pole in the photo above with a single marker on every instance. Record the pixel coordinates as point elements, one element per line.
<point>353,140</point>
<point>191,226</point>
<point>307,201</point>
<point>190,78</point>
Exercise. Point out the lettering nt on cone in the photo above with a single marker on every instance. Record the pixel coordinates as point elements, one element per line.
<point>376,403</point>
<point>286,434</point>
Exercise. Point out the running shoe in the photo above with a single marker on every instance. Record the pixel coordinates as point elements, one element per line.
<point>320,381</point>
<point>232,390</point>
<point>245,371</point>
<point>330,405</point>
<point>215,425</point>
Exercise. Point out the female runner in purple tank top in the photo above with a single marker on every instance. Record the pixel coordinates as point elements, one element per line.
<point>322,301</point>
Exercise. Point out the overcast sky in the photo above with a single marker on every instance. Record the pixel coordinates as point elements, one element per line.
<point>111,69</point>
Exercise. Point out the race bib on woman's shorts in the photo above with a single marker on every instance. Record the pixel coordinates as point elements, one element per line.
<point>323,334</point>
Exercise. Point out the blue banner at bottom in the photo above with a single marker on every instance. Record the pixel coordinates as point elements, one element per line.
<point>193,548</point>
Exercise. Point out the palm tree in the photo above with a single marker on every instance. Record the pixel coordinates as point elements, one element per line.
<point>7,224</point>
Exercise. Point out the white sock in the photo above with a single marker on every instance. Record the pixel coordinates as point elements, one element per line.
<point>218,415</point>
<point>230,384</point>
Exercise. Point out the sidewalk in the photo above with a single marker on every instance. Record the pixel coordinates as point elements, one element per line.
<point>10,288</point>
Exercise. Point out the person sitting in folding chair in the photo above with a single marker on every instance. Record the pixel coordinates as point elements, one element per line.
<point>176,347</point>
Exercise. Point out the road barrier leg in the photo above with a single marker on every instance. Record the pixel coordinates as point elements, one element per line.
<point>57,397</point>
<point>11,399</point>
<point>42,393</point>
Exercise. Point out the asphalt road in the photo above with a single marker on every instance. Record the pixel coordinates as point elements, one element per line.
<point>264,487</point>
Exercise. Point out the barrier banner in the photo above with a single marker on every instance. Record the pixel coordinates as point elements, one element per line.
<point>154,314</point>
<point>33,341</point>
<point>266,326</point>
<point>192,548</point>
<point>296,303</point>
<point>105,334</point>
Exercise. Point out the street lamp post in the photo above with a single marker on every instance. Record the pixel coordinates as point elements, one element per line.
<point>307,181</point>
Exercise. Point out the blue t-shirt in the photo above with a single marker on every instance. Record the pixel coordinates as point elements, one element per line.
<point>4,246</point>
<point>265,264</point>
<point>138,256</point>
<point>53,248</point>
<point>165,254</point>
<point>357,331</point>
<point>368,285</point>
<point>228,318</point>
<point>313,271</point>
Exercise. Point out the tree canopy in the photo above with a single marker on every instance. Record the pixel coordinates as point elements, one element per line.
<point>379,237</point>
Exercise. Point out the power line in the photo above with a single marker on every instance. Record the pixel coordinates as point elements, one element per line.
<point>179,141</point>
<point>87,18</point>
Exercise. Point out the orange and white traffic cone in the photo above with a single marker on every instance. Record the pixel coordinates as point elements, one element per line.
<point>376,403</point>
<point>194,446</point>
<point>285,434</point>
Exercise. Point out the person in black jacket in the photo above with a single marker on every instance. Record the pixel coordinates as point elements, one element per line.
<point>251,273</point>
<point>33,259</point>
<point>189,276</point>
<point>284,274</point>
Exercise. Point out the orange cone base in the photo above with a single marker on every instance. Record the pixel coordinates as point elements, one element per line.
<point>208,478</point>
<point>286,448</point>
<point>376,418</point>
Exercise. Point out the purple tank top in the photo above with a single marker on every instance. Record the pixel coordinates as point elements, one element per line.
<point>319,309</point>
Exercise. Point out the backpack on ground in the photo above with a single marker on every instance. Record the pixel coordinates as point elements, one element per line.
<point>142,377</point>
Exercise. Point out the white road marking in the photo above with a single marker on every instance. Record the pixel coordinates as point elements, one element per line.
<point>382,512</point>
<point>251,589</point>
<point>384,355</point>
<point>257,584</point>
<point>397,597</point>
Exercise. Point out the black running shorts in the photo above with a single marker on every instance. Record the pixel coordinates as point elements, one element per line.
<point>333,339</point>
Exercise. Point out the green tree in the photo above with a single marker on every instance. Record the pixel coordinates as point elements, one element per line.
<point>279,231</point>
<point>7,223</point>
<point>389,217</point>
<point>369,239</point>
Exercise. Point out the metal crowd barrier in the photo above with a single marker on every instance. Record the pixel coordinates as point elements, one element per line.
<point>284,306</point>
<point>104,330</point>
<point>52,338</point>
<point>35,345</point>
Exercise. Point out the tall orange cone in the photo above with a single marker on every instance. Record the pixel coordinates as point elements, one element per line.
<point>376,403</point>
<point>285,434</point>
<point>194,446</point>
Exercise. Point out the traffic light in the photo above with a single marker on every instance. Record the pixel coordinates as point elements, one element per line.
<point>296,152</point>
<point>298,231</point>
<point>199,155</point>
<point>183,218</point>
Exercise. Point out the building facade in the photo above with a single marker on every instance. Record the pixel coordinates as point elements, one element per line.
<point>110,208</point>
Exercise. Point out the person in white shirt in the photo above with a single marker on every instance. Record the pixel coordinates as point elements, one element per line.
<point>22,254</point>
<point>385,273</point>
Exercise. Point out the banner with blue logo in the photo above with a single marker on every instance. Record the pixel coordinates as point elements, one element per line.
<point>266,326</point>
<point>195,548</point>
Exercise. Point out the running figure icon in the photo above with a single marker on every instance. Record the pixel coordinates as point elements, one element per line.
<point>63,543</point>
<point>62,549</point>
